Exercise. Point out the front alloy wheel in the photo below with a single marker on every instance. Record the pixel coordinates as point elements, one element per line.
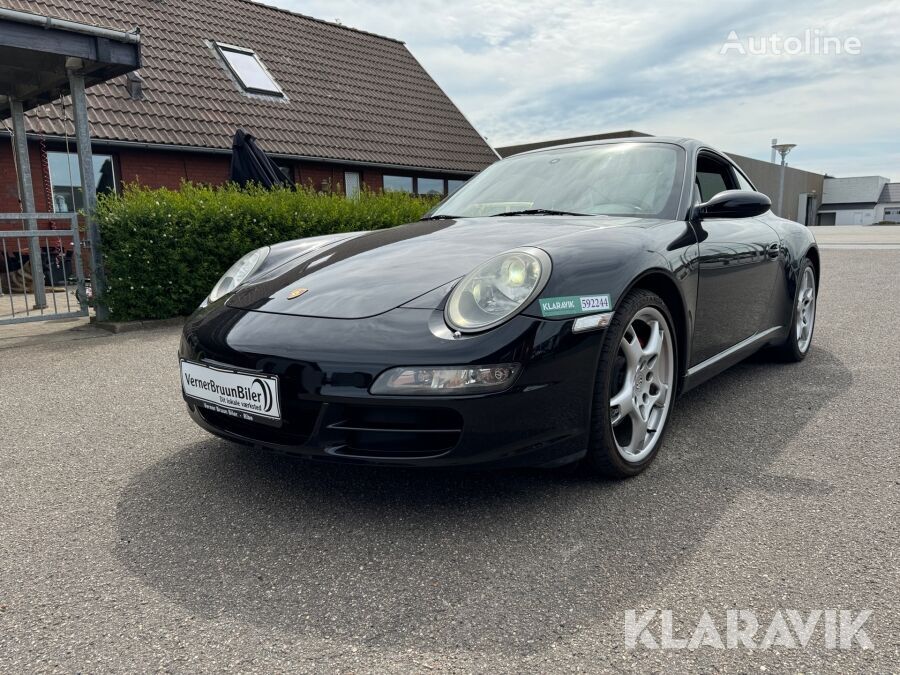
<point>643,385</point>
<point>635,387</point>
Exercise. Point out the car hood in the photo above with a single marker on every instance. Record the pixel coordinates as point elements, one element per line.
<point>378,271</point>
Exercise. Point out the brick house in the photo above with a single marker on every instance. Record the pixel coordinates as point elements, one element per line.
<point>337,108</point>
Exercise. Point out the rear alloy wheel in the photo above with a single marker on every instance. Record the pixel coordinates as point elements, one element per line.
<point>635,387</point>
<point>803,321</point>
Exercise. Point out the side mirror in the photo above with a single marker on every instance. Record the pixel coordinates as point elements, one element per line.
<point>734,204</point>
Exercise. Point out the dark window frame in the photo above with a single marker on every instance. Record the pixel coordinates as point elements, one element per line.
<point>416,188</point>
<point>461,181</point>
<point>66,191</point>
<point>442,181</point>
<point>222,47</point>
<point>412,183</point>
<point>730,184</point>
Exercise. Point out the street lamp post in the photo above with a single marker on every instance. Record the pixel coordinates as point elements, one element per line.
<point>782,149</point>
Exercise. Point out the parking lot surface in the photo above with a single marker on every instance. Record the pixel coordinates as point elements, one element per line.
<point>130,540</point>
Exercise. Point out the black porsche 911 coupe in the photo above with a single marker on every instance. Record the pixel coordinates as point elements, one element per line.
<point>549,311</point>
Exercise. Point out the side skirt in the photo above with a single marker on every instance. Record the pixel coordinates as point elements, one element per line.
<point>735,354</point>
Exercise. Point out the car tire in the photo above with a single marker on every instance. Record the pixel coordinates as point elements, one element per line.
<point>629,374</point>
<point>803,317</point>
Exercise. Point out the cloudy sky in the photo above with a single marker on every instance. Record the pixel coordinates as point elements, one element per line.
<point>525,70</point>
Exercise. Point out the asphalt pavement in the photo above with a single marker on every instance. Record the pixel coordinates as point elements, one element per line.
<point>131,540</point>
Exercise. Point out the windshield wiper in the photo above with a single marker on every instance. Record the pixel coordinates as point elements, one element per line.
<point>441,216</point>
<point>538,212</point>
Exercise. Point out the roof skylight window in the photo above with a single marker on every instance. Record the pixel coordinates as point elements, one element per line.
<point>248,70</point>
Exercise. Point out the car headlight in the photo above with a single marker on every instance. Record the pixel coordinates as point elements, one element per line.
<point>238,273</point>
<point>494,291</point>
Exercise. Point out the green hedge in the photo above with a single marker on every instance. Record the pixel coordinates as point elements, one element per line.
<point>164,249</point>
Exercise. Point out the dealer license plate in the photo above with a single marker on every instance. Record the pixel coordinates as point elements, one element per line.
<point>246,396</point>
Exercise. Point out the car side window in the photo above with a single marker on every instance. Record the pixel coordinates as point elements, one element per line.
<point>743,183</point>
<point>713,176</point>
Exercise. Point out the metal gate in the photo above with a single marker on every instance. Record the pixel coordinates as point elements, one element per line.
<point>41,271</point>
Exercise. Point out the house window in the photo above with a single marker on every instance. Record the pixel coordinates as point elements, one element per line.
<point>287,171</point>
<point>398,184</point>
<point>430,186</point>
<point>453,185</point>
<point>249,70</point>
<point>65,180</point>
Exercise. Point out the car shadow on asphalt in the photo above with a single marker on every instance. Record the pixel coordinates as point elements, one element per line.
<point>505,561</point>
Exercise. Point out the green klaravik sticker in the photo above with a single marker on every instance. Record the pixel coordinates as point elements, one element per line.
<point>575,304</point>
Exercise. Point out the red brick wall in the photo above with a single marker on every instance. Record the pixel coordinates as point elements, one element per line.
<point>9,187</point>
<point>373,180</point>
<point>156,168</point>
<point>162,168</point>
<point>319,176</point>
<point>9,192</point>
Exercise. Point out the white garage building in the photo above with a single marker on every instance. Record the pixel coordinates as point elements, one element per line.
<point>853,201</point>
<point>888,208</point>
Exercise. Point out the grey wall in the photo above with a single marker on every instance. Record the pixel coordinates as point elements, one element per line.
<point>765,177</point>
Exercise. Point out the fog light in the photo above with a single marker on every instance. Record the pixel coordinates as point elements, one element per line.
<point>444,380</point>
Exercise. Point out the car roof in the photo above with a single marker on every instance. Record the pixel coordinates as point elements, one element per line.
<point>689,144</point>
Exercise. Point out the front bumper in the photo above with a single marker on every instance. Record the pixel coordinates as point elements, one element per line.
<point>326,366</point>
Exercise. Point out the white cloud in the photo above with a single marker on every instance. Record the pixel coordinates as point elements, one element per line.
<point>529,70</point>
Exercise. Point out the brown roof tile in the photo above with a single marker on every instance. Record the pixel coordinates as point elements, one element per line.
<point>351,95</point>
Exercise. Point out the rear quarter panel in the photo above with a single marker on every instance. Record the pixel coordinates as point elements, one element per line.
<point>796,243</point>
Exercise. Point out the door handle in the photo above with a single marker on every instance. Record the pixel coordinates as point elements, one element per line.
<point>773,250</point>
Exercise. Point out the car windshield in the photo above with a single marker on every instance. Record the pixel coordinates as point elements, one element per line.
<point>618,179</point>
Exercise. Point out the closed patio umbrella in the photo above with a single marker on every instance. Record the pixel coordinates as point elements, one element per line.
<point>249,164</point>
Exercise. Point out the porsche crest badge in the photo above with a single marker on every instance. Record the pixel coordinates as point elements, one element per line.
<point>296,293</point>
